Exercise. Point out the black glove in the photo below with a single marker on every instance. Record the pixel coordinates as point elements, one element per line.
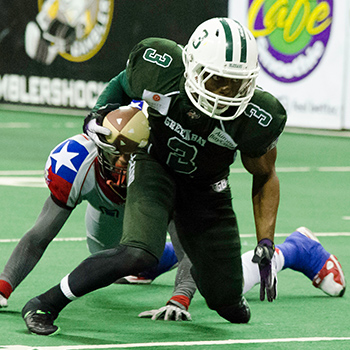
<point>263,254</point>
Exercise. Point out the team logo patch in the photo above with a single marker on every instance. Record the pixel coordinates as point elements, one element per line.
<point>193,114</point>
<point>221,138</point>
<point>157,101</point>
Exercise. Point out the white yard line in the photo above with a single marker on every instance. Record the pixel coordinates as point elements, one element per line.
<point>303,169</point>
<point>242,235</point>
<point>23,181</point>
<point>177,344</point>
<point>35,178</point>
<point>67,239</point>
<point>21,172</point>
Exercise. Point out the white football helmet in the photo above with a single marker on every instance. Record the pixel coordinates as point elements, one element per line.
<point>221,47</point>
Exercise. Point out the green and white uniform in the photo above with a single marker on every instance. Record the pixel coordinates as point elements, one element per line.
<point>183,172</point>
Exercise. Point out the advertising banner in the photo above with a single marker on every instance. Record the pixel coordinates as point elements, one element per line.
<point>58,53</point>
<point>346,77</point>
<point>303,55</point>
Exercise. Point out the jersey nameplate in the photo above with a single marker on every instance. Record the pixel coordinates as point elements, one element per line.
<point>221,138</point>
<point>157,101</point>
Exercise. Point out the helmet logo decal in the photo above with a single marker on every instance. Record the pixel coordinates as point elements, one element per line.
<point>243,43</point>
<point>229,43</point>
<point>200,39</point>
<point>292,35</point>
<point>164,61</point>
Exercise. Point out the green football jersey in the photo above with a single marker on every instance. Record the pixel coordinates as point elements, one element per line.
<point>182,137</point>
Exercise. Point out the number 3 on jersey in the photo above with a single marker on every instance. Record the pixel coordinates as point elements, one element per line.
<point>182,158</point>
<point>152,56</point>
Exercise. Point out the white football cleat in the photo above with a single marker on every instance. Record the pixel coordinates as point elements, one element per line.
<point>133,280</point>
<point>308,233</point>
<point>330,279</point>
<point>3,301</point>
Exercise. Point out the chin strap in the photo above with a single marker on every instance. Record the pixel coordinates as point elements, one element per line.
<point>116,188</point>
<point>120,178</point>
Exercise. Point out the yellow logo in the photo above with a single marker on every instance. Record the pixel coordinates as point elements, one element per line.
<point>78,28</point>
<point>293,19</point>
<point>292,35</point>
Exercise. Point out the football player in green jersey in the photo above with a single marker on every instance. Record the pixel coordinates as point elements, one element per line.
<point>204,107</point>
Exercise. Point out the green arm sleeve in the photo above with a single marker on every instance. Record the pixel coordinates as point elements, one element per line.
<point>117,91</point>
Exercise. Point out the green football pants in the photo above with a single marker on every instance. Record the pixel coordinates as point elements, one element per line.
<point>205,222</point>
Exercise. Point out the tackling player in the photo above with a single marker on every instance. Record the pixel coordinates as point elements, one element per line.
<point>77,170</point>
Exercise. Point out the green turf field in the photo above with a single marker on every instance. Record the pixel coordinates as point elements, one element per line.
<point>314,173</point>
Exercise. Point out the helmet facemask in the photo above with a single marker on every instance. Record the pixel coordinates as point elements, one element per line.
<point>114,169</point>
<point>206,57</point>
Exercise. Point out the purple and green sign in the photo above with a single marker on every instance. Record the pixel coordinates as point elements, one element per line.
<point>292,35</point>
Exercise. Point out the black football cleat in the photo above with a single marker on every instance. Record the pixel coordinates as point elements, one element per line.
<point>39,320</point>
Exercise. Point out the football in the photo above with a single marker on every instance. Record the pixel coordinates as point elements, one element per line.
<point>129,128</point>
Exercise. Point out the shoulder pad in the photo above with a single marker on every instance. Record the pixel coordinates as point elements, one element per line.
<point>67,166</point>
<point>155,64</point>
<point>261,124</point>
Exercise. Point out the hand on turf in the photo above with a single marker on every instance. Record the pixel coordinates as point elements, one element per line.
<point>263,254</point>
<point>167,313</point>
<point>3,301</point>
<point>92,129</point>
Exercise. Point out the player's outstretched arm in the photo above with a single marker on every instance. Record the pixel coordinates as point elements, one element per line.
<point>31,247</point>
<point>265,196</point>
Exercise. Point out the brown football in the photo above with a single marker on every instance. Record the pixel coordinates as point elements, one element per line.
<point>129,128</point>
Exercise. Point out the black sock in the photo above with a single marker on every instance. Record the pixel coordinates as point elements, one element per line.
<point>54,299</point>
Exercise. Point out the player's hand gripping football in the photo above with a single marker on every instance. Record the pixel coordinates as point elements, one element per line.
<point>263,254</point>
<point>93,129</point>
<point>170,312</point>
<point>92,126</point>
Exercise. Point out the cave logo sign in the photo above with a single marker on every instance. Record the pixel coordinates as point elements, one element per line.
<point>292,35</point>
<point>73,29</point>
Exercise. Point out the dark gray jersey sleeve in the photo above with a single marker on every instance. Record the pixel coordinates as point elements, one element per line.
<point>184,282</point>
<point>32,245</point>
